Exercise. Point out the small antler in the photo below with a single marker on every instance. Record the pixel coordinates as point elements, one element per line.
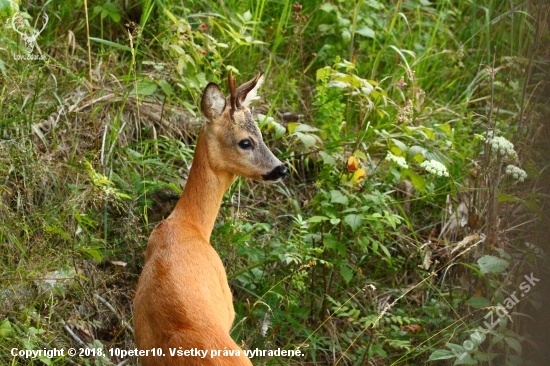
<point>233,97</point>
<point>16,15</point>
<point>45,16</point>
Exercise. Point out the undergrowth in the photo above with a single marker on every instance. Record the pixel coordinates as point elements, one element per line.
<point>406,233</point>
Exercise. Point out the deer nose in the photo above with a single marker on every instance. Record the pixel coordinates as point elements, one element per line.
<point>278,173</point>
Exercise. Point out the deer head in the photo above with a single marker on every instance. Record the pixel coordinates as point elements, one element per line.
<point>235,142</point>
<point>30,39</point>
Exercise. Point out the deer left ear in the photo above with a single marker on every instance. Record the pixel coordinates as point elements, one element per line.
<point>249,91</point>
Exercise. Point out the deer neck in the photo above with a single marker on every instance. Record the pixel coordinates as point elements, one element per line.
<point>202,196</point>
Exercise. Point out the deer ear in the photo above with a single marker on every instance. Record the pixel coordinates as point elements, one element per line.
<point>249,91</point>
<point>212,102</point>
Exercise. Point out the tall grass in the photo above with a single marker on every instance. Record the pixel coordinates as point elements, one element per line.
<point>359,257</point>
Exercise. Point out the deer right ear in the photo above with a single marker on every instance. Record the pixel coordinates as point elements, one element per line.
<point>213,102</point>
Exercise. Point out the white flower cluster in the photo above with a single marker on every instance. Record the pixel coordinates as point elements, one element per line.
<point>517,173</point>
<point>435,167</point>
<point>503,147</point>
<point>397,160</point>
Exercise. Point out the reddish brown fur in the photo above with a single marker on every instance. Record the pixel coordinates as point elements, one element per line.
<point>183,300</point>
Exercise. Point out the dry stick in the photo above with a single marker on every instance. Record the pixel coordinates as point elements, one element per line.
<point>110,307</point>
<point>88,44</point>
<point>74,336</point>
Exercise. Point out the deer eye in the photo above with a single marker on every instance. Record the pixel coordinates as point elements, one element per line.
<point>245,144</point>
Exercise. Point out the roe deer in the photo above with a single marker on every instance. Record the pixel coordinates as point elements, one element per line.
<point>183,300</point>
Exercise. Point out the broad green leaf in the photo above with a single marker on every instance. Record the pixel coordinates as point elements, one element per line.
<point>327,158</point>
<point>491,264</point>
<point>337,196</point>
<point>277,127</point>
<point>514,344</point>
<point>354,221</point>
<point>5,328</point>
<point>365,31</point>
<point>166,87</point>
<point>441,354</point>
<point>414,151</point>
<point>400,145</point>
<point>146,87</point>
<point>456,347</point>
<point>302,127</point>
<point>325,28</point>
<point>307,139</point>
<point>346,272</point>
<point>292,125</point>
<point>445,128</point>
<point>318,219</point>
<point>361,155</point>
<point>328,7</point>
<point>417,180</point>
<point>346,36</point>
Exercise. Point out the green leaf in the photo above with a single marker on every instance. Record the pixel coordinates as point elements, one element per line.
<point>307,139</point>
<point>327,158</point>
<point>514,344</point>
<point>328,7</point>
<point>503,197</point>
<point>346,36</point>
<point>365,31</point>
<point>346,272</point>
<point>111,44</point>
<point>92,252</point>
<point>445,128</point>
<point>354,221</point>
<point>483,356</point>
<point>8,8</point>
<point>302,127</point>
<point>456,347</point>
<point>466,360</point>
<point>478,302</point>
<point>414,151</point>
<point>247,16</point>
<point>314,219</point>
<point>146,87</point>
<point>166,87</point>
<point>279,128</point>
<point>110,10</point>
<point>441,354</point>
<point>385,250</point>
<point>400,145</point>
<point>491,264</point>
<point>337,196</point>
<point>5,328</point>
<point>417,180</point>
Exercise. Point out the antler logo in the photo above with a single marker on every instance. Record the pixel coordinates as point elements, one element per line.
<point>30,39</point>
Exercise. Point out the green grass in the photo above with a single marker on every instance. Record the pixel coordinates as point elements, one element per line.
<point>352,258</point>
